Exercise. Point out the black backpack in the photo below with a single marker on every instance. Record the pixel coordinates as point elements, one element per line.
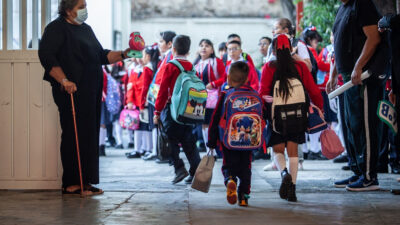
<point>314,63</point>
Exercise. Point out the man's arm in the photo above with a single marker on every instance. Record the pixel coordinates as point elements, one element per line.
<point>373,39</point>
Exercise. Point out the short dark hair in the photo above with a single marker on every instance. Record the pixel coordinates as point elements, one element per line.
<point>181,43</point>
<point>266,38</point>
<point>234,36</point>
<point>238,72</point>
<point>222,46</point>
<point>235,42</point>
<point>66,5</point>
<point>168,36</point>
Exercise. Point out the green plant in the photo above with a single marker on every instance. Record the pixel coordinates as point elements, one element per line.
<point>321,14</point>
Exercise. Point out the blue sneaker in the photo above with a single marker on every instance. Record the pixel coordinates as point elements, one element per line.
<point>364,185</point>
<point>345,182</point>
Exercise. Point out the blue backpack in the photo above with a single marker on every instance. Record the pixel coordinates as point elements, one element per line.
<point>189,98</point>
<point>241,126</point>
<point>113,99</point>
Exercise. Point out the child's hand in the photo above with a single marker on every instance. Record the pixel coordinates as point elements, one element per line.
<point>155,119</point>
<point>129,105</point>
<point>209,86</point>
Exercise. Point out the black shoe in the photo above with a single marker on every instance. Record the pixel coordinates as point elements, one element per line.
<point>189,179</point>
<point>292,193</point>
<point>159,161</point>
<point>346,168</point>
<point>102,150</point>
<point>395,169</point>
<point>285,185</point>
<point>341,159</point>
<point>259,155</point>
<point>180,174</point>
<point>131,145</point>
<point>120,146</point>
<point>395,191</point>
<point>316,156</point>
<point>132,155</point>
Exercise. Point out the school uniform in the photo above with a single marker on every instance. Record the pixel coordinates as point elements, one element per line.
<point>209,71</point>
<point>177,133</point>
<point>312,89</point>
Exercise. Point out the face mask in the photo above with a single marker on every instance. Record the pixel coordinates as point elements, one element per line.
<point>82,16</point>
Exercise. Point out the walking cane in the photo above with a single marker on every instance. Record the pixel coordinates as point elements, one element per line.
<point>77,143</point>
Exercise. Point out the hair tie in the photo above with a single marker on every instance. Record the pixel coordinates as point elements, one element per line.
<point>282,42</point>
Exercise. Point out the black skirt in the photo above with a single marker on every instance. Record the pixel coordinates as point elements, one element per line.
<point>276,139</point>
<point>207,117</point>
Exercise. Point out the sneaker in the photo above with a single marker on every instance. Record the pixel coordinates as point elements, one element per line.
<point>149,157</point>
<point>341,159</point>
<point>292,193</point>
<point>285,185</point>
<point>364,185</point>
<point>189,179</point>
<point>316,156</point>
<point>231,193</point>
<point>243,200</point>
<point>345,182</point>
<point>180,174</point>
<point>270,166</point>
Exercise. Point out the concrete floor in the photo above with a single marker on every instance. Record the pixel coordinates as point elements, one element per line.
<point>139,192</point>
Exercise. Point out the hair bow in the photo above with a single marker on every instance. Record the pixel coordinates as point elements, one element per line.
<point>282,42</point>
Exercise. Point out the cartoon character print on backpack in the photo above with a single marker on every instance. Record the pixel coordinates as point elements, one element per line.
<point>242,125</point>
<point>199,109</point>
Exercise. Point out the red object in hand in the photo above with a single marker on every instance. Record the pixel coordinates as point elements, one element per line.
<point>271,1</point>
<point>136,42</point>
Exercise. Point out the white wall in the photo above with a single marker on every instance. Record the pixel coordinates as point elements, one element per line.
<point>100,19</point>
<point>215,29</point>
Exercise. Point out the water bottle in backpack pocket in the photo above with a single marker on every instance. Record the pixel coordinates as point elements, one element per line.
<point>242,124</point>
<point>289,116</point>
<point>188,101</point>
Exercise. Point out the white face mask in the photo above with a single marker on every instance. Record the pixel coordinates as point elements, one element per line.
<point>82,15</point>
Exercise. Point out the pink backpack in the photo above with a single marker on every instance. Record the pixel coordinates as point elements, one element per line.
<point>129,119</point>
<point>330,143</point>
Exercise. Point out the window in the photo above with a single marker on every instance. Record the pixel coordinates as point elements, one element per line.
<point>1,24</point>
<point>33,23</point>
<point>16,25</point>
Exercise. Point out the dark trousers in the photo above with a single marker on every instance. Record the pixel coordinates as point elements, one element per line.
<point>364,129</point>
<point>180,134</point>
<point>237,164</point>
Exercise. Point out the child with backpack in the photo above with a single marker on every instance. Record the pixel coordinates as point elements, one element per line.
<point>173,123</point>
<point>237,124</point>
<point>289,82</point>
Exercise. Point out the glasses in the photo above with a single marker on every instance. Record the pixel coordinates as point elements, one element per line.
<point>233,49</point>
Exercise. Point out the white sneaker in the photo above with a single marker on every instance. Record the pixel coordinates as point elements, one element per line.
<point>270,166</point>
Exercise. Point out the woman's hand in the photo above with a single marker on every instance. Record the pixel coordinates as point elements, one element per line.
<point>68,86</point>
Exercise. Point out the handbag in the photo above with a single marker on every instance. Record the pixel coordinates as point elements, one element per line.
<point>316,121</point>
<point>212,98</point>
<point>331,146</point>
<point>129,119</point>
<point>163,146</point>
<point>203,176</point>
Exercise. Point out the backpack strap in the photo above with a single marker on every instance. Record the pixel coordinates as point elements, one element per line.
<point>178,64</point>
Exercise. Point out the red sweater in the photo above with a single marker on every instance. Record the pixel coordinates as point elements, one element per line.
<point>253,76</point>
<point>139,87</point>
<point>169,76</point>
<point>305,75</point>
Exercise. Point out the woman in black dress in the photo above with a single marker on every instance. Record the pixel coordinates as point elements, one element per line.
<point>72,58</point>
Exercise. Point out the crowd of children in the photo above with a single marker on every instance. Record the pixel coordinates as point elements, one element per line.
<point>241,100</point>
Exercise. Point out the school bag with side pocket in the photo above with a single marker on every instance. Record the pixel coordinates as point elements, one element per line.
<point>189,98</point>
<point>316,121</point>
<point>113,99</point>
<point>241,126</point>
<point>290,116</point>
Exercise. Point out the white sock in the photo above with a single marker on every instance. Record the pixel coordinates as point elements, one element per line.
<point>293,168</point>
<point>280,161</point>
<point>138,140</point>
<point>154,135</point>
<point>103,135</point>
<point>148,141</point>
<point>118,132</point>
<point>204,130</point>
<point>131,136</point>
<point>315,145</point>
